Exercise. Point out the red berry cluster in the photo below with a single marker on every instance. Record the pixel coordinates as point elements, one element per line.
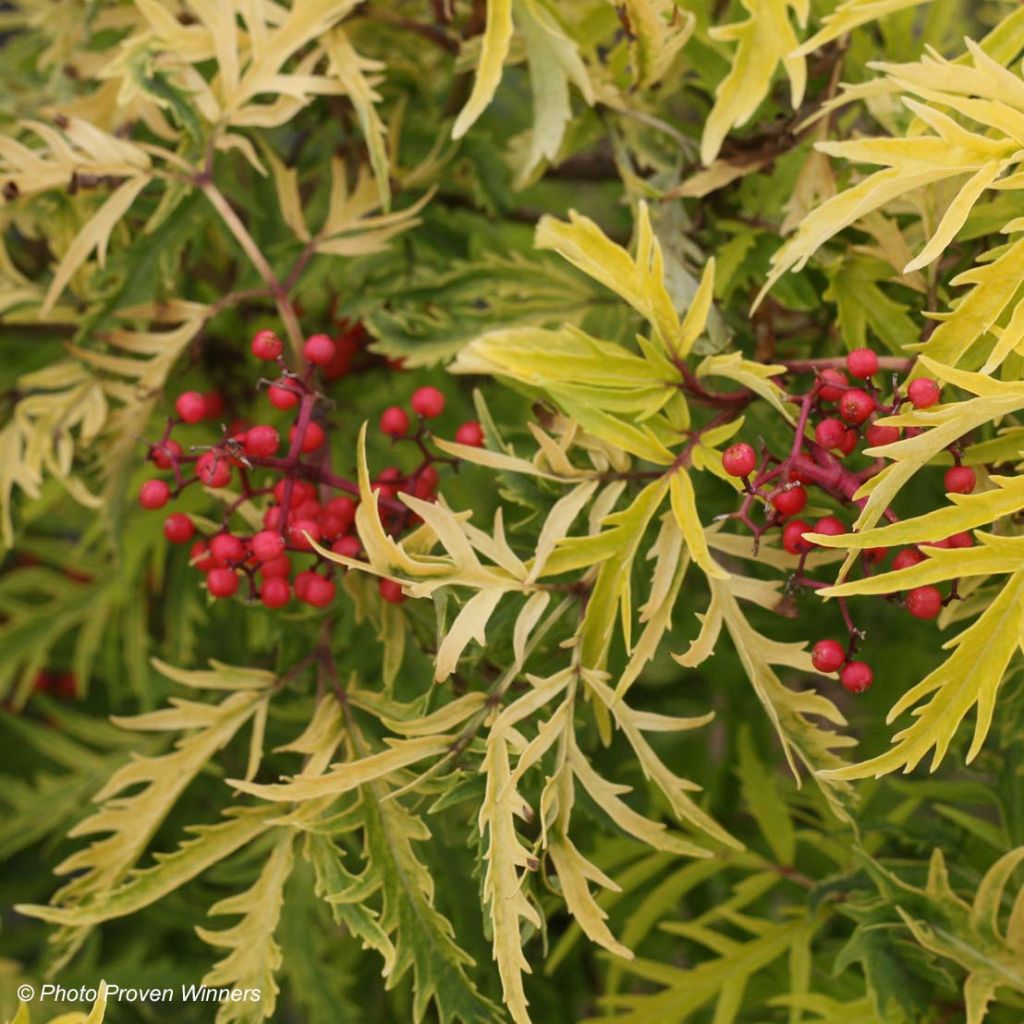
<point>306,502</point>
<point>837,421</point>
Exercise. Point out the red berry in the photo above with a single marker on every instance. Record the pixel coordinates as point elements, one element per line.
<point>191,406</point>
<point>739,459</point>
<point>906,558</point>
<point>272,518</point>
<point>862,362</point>
<point>226,547</point>
<point>789,502</point>
<point>827,655</point>
<point>319,591</point>
<point>394,421</point>
<point>199,555</point>
<point>347,546</point>
<point>877,436</point>
<point>961,540</point>
<point>331,525</point>
<point>923,393</point>
<point>344,509</point>
<point>267,545</point>
<point>282,395</point>
<point>793,539</point>
<point>302,583</point>
<point>857,676</point>
<point>470,433</point>
<point>213,406</point>
<point>346,348</point>
<point>833,384</point>
<point>298,530</point>
<point>275,592</point>
<point>856,406</point>
<point>261,441</point>
<point>178,528</point>
<point>428,402</point>
<point>307,510</point>
<point>830,526</point>
<point>312,439</point>
<point>924,602</point>
<point>302,491</point>
<point>829,433</point>
<point>213,469</point>
<point>166,453</point>
<point>266,345</point>
<point>66,685</point>
<point>276,567</point>
<point>960,480</point>
<point>153,494</point>
<point>849,442</point>
<point>874,555</point>
<point>318,350</point>
<point>391,591</point>
<point>425,487</point>
<point>222,582</point>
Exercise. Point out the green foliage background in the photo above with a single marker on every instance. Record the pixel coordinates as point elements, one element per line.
<point>817,918</point>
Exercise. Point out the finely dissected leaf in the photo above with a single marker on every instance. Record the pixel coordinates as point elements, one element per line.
<point>802,739</point>
<point>972,935</point>
<point>554,62</point>
<point>352,71</point>
<point>211,844</point>
<point>346,776</point>
<point>658,30</point>
<point>95,235</point>
<point>721,980</point>
<point>849,15</point>
<point>424,938</point>
<point>639,280</point>
<point>970,677</point>
<point>254,957</point>
<point>496,41</point>
<point>763,40</point>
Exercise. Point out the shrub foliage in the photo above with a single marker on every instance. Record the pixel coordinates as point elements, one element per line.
<point>549,739</point>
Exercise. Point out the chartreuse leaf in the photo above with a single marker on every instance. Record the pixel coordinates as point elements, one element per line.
<point>354,71</point>
<point>612,590</point>
<point>971,934</point>
<point>789,710</point>
<point>639,280</point>
<point>554,62</point>
<point>965,512</point>
<point>946,149</point>
<point>657,30</point>
<point>141,888</point>
<point>849,15</point>
<point>970,676</point>
<point>763,40</point>
<point>721,980</point>
<point>995,287</point>
<point>496,42</point>
<point>94,235</point>
<point>103,884</point>
<point>254,957</point>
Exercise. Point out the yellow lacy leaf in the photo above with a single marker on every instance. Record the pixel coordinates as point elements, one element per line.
<point>970,677</point>
<point>849,15</point>
<point>764,39</point>
<point>639,280</point>
<point>657,30</point>
<point>496,42</point>
<point>94,235</point>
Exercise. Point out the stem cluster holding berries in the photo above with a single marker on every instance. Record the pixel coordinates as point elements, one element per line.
<point>837,417</point>
<point>307,502</point>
